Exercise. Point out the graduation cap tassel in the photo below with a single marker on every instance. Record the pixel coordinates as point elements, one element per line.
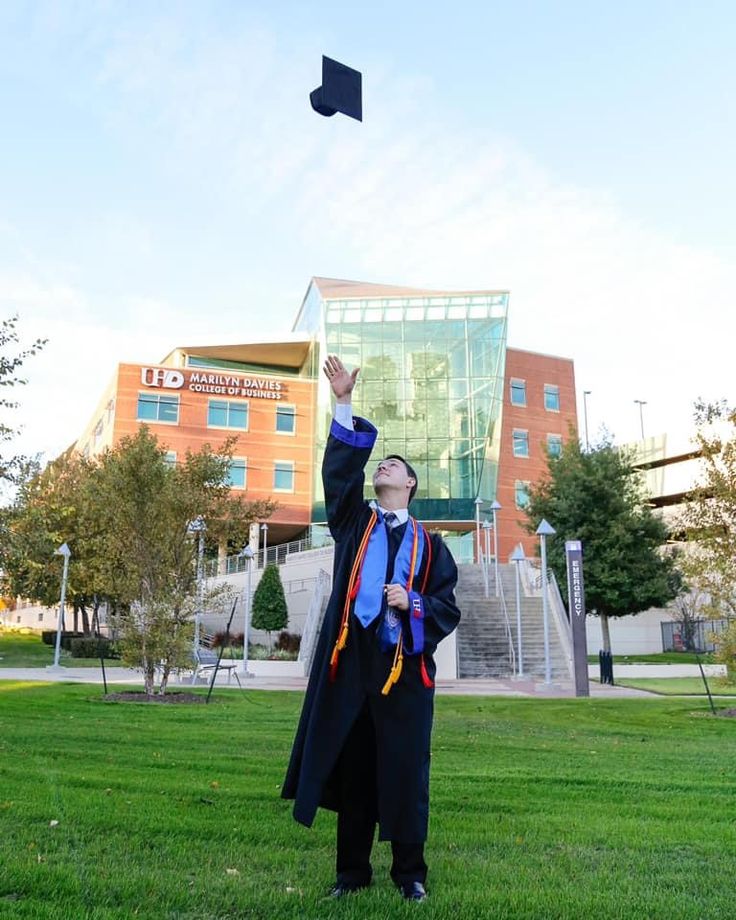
<point>342,641</point>
<point>395,668</point>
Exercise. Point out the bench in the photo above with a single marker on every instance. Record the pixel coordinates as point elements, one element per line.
<point>206,660</point>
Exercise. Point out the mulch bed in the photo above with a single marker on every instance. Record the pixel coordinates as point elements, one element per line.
<point>728,713</point>
<point>135,696</point>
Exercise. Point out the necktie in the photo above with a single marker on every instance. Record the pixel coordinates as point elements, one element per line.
<point>391,520</point>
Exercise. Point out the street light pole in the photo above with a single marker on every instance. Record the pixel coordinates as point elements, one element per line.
<point>641,403</point>
<point>586,394</point>
<point>64,551</point>
<point>198,526</point>
<point>543,531</point>
<point>247,554</point>
<point>495,508</point>
<point>264,531</point>
<point>487,533</point>
<point>517,557</point>
<point>478,503</point>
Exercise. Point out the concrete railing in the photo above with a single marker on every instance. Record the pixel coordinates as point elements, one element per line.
<point>313,622</point>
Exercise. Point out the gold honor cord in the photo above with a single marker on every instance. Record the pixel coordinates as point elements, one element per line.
<point>398,662</point>
<point>350,594</point>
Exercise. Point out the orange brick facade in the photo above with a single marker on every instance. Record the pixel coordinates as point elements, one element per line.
<point>538,422</point>
<point>188,392</point>
<point>260,446</point>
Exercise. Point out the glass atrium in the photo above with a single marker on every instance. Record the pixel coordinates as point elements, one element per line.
<point>431,381</point>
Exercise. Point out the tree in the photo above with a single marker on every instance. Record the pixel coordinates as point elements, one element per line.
<point>125,517</point>
<point>144,508</point>
<point>158,636</point>
<point>50,507</point>
<point>687,609</point>
<point>10,365</point>
<point>597,497</point>
<point>269,603</point>
<point>709,515</point>
<point>709,521</point>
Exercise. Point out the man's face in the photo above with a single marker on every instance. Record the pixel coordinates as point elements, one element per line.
<point>392,474</point>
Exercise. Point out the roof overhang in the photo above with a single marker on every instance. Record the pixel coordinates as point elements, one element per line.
<point>291,352</point>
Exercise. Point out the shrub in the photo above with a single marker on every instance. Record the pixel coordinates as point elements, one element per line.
<point>68,637</point>
<point>288,642</point>
<point>281,654</point>
<point>91,647</point>
<point>269,604</point>
<point>259,652</point>
<point>234,639</point>
<point>48,637</point>
<point>725,643</point>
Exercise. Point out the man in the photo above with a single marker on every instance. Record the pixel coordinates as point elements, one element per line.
<point>362,746</point>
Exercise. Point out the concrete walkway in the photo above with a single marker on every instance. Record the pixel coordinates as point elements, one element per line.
<point>465,687</point>
<point>660,670</point>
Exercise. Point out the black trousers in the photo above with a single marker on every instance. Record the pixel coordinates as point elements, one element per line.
<point>358,814</point>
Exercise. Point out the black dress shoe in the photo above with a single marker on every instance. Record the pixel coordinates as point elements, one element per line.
<point>413,891</point>
<point>340,889</point>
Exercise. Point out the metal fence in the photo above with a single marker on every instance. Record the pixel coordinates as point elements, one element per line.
<point>279,554</point>
<point>695,637</point>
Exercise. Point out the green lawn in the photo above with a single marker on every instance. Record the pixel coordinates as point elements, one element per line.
<point>659,658</point>
<point>679,686</point>
<point>541,809</point>
<point>27,651</point>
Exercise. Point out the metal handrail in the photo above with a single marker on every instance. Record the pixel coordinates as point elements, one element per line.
<point>278,553</point>
<point>561,620</point>
<point>312,624</point>
<point>485,564</point>
<point>507,624</point>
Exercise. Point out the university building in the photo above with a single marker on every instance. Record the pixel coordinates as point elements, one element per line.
<point>476,419</point>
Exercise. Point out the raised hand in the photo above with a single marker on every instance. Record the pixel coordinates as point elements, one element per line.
<point>341,381</point>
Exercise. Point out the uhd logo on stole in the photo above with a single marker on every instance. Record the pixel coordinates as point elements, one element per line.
<point>160,377</point>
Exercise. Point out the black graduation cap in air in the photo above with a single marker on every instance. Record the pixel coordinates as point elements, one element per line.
<point>341,91</point>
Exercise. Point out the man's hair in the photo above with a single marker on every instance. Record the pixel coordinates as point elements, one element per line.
<point>410,471</point>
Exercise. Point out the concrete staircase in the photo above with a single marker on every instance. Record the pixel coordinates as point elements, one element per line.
<point>482,640</point>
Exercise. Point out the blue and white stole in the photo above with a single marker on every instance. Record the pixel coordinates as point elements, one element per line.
<point>370,599</point>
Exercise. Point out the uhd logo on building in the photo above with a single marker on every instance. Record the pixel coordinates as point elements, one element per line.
<point>158,377</point>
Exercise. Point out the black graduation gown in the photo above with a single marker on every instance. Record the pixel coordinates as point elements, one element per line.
<point>403,718</point>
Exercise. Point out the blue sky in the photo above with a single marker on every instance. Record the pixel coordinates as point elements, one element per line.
<point>164,182</point>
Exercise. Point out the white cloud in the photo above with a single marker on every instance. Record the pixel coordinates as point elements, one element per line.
<point>412,195</point>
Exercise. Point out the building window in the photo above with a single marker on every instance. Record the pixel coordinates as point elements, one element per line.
<point>551,397</point>
<point>283,476</point>
<point>153,407</point>
<point>518,392</point>
<point>40,617</point>
<point>170,459</point>
<point>223,413</point>
<point>236,474</point>
<point>286,419</point>
<point>554,445</point>
<point>521,493</point>
<point>521,443</point>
